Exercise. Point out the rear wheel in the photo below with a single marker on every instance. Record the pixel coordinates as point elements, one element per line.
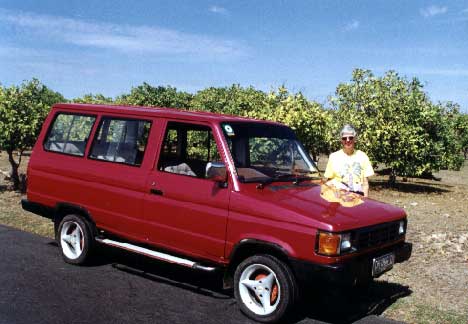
<point>75,239</point>
<point>265,288</point>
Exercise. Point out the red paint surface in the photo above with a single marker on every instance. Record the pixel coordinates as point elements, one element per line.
<point>193,216</point>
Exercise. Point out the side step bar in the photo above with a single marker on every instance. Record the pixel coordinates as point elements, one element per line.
<point>156,255</point>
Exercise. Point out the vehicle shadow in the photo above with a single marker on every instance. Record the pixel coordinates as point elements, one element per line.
<point>318,303</point>
<point>204,283</point>
<point>348,305</point>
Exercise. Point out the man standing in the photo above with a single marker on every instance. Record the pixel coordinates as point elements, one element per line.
<point>350,167</point>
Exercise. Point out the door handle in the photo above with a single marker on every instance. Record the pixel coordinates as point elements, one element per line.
<point>156,192</point>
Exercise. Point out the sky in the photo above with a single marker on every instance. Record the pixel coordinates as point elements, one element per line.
<point>110,46</point>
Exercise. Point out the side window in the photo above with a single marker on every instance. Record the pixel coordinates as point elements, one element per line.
<point>69,134</point>
<point>121,141</point>
<point>187,148</point>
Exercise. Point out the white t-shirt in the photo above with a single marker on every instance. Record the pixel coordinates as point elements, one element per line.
<point>349,169</point>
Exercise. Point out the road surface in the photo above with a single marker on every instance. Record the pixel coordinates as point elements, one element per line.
<point>36,286</point>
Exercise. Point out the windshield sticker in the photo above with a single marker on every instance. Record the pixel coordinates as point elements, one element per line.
<point>229,130</point>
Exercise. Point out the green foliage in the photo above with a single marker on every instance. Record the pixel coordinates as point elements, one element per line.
<point>94,99</point>
<point>398,124</point>
<point>233,100</point>
<point>461,130</point>
<point>147,95</point>
<point>22,111</point>
<point>310,120</point>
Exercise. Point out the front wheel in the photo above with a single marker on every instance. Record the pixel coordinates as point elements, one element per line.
<point>265,288</point>
<point>75,239</point>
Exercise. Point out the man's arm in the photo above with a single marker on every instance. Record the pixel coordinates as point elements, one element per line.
<point>365,187</point>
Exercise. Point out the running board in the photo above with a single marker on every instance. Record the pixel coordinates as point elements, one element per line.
<point>156,255</point>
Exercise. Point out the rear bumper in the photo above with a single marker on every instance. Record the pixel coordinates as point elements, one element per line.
<point>38,209</point>
<point>358,269</point>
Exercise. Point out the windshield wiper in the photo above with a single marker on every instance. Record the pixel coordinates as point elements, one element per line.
<point>279,178</point>
<point>298,180</point>
<point>285,178</point>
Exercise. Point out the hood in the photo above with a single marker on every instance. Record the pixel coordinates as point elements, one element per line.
<point>309,204</point>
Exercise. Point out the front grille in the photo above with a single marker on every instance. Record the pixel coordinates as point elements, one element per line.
<point>376,235</point>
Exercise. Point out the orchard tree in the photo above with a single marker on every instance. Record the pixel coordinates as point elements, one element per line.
<point>397,123</point>
<point>233,100</point>
<point>148,95</point>
<point>447,137</point>
<point>94,99</point>
<point>311,122</point>
<point>22,111</point>
<point>461,128</point>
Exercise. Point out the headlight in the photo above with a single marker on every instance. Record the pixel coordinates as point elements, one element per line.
<point>332,243</point>
<point>401,228</point>
<point>345,242</point>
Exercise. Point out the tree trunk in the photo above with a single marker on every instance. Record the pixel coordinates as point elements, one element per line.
<point>14,170</point>
<point>392,178</point>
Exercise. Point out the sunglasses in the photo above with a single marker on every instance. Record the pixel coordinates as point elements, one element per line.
<point>347,138</point>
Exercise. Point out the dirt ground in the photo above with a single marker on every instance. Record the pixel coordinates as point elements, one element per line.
<point>432,287</point>
<point>437,273</point>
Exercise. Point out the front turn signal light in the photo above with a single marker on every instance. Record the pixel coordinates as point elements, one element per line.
<point>329,243</point>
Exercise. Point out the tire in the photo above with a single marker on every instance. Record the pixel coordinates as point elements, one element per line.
<point>265,288</point>
<point>75,239</point>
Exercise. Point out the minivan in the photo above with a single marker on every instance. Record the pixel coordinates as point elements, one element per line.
<point>211,192</point>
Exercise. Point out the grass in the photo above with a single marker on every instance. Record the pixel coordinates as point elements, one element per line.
<point>11,214</point>
<point>423,314</point>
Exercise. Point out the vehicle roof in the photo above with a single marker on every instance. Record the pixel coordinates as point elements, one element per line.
<point>158,112</point>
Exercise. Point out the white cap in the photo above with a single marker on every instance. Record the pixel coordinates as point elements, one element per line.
<point>348,130</point>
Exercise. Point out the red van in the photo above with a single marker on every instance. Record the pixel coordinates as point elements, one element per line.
<point>210,192</point>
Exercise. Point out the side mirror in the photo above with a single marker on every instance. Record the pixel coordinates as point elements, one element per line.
<point>216,171</point>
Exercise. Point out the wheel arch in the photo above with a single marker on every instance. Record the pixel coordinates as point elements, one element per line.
<point>63,209</point>
<point>247,248</point>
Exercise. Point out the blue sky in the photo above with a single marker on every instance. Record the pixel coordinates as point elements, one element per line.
<point>79,47</point>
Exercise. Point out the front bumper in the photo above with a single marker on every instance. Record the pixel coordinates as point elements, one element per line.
<point>350,272</point>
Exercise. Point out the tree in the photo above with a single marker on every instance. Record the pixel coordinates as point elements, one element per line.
<point>398,124</point>
<point>94,99</point>
<point>233,100</point>
<point>461,128</point>
<point>311,122</point>
<point>22,111</point>
<point>147,95</point>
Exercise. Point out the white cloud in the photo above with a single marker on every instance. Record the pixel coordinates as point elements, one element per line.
<point>122,38</point>
<point>352,25</point>
<point>219,10</point>
<point>432,11</point>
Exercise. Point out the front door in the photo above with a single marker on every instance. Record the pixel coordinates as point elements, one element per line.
<point>185,211</point>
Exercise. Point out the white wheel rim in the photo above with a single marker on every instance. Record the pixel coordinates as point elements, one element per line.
<point>72,240</point>
<point>258,294</point>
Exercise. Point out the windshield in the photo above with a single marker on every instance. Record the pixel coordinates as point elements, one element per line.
<point>267,152</point>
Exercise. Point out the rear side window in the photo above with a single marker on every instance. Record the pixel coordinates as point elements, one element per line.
<point>121,141</point>
<point>69,134</point>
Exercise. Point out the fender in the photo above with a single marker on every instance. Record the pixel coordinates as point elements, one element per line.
<point>63,208</point>
<point>246,248</point>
